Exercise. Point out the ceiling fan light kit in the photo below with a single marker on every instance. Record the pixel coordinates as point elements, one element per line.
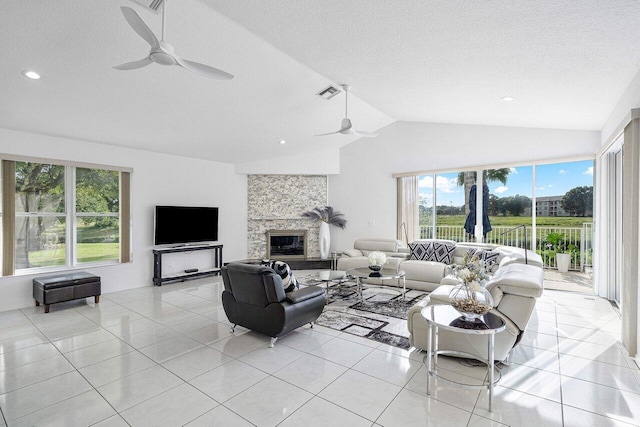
<point>346,127</point>
<point>162,52</point>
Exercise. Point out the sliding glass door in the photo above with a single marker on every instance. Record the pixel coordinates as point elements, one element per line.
<point>547,208</point>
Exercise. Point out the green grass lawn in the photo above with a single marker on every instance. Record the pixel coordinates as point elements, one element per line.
<point>87,252</point>
<point>512,221</point>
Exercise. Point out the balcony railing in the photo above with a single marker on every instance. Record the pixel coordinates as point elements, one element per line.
<point>580,239</point>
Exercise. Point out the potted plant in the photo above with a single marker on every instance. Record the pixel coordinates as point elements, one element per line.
<point>559,245</point>
<point>327,216</point>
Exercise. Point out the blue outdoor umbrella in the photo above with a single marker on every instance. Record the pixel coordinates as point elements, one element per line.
<point>470,223</point>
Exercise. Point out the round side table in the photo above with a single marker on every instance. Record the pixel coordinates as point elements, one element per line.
<point>446,317</point>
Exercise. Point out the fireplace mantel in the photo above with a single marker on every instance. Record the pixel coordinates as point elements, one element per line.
<point>275,218</point>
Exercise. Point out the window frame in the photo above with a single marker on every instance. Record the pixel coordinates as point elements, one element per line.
<point>8,216</point>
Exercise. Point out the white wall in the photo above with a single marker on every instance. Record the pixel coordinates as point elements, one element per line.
<point>630,99</point>
<point>365,190</point>
<point>157,179</point>
<point>323,162</point>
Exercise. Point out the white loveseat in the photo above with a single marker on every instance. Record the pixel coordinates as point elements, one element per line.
<point>425,275</point>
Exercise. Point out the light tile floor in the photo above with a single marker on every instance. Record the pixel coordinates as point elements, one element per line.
<point>164,356</point>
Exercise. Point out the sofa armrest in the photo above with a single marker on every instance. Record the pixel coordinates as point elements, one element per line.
<point>352,252</point>
<point>519,279</point>
<point>416,310</point>
<point>304,294</point>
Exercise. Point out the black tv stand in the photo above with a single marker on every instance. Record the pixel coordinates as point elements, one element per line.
<point>158,280</point>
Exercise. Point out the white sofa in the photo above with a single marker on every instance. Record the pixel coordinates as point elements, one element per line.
<point>514,288</point>
<point>424,275</point>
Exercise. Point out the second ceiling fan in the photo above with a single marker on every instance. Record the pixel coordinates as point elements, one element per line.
<point>347,128</point>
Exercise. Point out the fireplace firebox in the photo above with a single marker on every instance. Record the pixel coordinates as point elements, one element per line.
<point>286,244</point>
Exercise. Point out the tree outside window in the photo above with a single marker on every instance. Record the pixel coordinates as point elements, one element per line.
<point>97,207</point>
<point>45,222</point>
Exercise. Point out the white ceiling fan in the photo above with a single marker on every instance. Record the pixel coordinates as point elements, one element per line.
<point>162,52</point>
<point>346,127</point>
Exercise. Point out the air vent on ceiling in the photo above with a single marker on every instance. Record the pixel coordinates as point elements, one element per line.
<point>328,92</point>
<point>154,5</point>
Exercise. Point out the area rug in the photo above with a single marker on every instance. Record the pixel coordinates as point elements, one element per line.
<point>381,315</point>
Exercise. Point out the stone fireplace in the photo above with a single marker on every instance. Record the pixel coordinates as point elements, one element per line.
<point>276,203</point>
<point>286,244</point>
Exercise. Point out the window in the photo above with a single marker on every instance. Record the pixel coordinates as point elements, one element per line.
<point>40,218</point>
<point>97,219</point>
<point>57,216</point>
<point>546,200</point>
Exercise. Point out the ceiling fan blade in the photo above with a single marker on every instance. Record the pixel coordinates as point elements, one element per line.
<point>330,133</point>
<point>133,65</point>
<point>139,26</point>
<point>364,134</point>
<point>203,70</point>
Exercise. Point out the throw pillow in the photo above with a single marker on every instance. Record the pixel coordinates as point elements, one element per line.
<point>487,255</point>
<point>282,269</point>
<point>419,250</point>
<point>441,252</point>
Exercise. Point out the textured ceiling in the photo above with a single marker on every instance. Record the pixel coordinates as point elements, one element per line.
<point>567,63</point>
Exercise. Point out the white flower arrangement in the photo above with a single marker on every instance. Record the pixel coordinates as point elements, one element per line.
<point>472,276</point>
<point>472,272</point>
<point>377,258</point>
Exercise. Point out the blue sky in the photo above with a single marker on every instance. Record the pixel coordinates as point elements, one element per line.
<point>551,180</point>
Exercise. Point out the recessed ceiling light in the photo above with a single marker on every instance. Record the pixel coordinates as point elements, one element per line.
<point>507,98</point>
<point>31,74</point>
<point>282,142</point>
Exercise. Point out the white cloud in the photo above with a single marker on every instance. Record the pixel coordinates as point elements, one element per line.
<point>589,171</point>
<point>513,170</point>
<point>446,185</point>
<point>426,182</point>
<point>501,189</point>
<point>550,185</point>
<point>542,188</point>
<point>562,171</point>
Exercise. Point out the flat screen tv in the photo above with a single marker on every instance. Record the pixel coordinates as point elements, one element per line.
<point>185,224</point>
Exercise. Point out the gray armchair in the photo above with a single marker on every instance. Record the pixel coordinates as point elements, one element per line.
<point>253,297</point>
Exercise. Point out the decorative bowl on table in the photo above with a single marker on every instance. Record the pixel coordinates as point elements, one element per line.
<point>376,260</point>
<point>470,300</point>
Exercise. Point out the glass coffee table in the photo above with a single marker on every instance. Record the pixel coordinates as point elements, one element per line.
<point>330,276</point>
<point>384,274</point>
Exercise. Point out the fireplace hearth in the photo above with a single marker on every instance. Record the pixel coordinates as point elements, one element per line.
<point>286,244</point>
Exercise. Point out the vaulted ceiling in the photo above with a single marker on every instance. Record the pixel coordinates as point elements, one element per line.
<point>566,63</point>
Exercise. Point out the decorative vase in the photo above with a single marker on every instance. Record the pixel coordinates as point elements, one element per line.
<point>375,267</point>
<point>471,303</point>
<point>563,261</point>
<point>324,239</point>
